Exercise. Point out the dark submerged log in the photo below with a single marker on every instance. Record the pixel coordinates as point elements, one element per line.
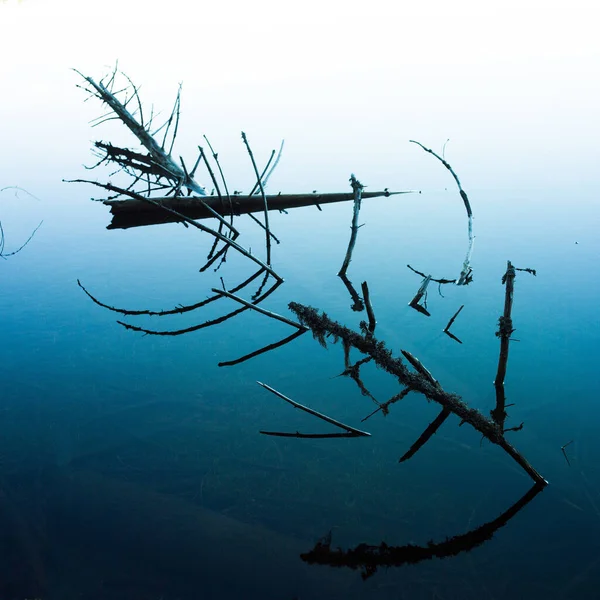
<point>322,326</point>
<point>136,213</point>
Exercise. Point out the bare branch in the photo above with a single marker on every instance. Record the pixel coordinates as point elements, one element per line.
<point>319,415</point>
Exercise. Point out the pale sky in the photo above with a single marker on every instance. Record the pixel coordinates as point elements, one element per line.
<point>514,85</point>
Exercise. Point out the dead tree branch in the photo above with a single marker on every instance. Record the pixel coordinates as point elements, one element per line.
<point>173,311</point>
<point>357,302</point>
<point>349,429</point>
<point>212,322</point>
<point>427,434</point>
<point>357,188</point>
<point>450,322</point>
<point>321,325</point>
<point>268,348</point>
<point>465,276</point>
<point>171,169</point>
<point>4,254</point>
<point>130,213</point>
<point>181,217</point>
<point>505,330</point>
<point>263,195</point>
<point>370,313</point>
<point>263,311</point>
<point>463,194</point>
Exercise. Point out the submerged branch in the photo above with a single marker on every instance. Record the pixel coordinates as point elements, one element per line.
<point>505,330</point>
<point>450,322</point>
<point>370,313</point>
<point>421,292</point>
<point>173,311</point>
<point>263,311</point>
<point>157,152</point>
<point>348,428</point>
<point>321,326</point>
<point>427,434</point>
<point>131,213</point>
<point>357,302</point>
<point>217,321</point>
<point>228,241</point>
<point>463,194</point>
<point>357,189</point>
<point>264,198</point>
<point>283,342</point>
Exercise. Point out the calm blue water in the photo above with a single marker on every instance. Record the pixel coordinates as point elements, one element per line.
<point>131,466</point>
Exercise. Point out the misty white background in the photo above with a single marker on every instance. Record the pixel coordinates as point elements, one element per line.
<point>514,85</point>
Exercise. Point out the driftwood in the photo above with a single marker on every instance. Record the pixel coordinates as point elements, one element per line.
<point>134,213</point>
<point>321,326</point>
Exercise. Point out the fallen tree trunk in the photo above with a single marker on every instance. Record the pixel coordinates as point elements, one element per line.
<point>137,213</point>
<point>423,382</point>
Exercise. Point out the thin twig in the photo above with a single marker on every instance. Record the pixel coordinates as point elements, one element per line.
<point>370,313</point>
<point>182,217</point>
<point>319,415</point>
<point>263,311</point>
<point>264,197</point>
<point>427,434</point>
<point>505,330</point>
<point>212,322</point>
<point>418,366</point>
<point>562,448</point>
<point>463,194</point>
<point>357,302</point>
<point>3,255</point>
<point>268,348</point>
<point>173,311</point>
<point>452,319</point>
<point>312,436</point>
<point>440,281</point>
<point>385,406</point>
